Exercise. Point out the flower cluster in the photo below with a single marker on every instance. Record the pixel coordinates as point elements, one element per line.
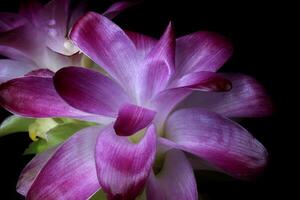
<point>154,106</point>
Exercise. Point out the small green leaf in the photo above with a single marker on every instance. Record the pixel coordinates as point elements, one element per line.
<point>55,136</point>
<point>14,124</point>
<point>100,195</point>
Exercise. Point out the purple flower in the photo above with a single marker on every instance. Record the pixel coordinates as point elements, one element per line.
<point>159,99</point>
<point>37,37</point>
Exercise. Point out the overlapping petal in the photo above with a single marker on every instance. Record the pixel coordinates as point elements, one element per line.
<point>175,181</point>
<point>35,97</point>
<point>90,91</point>
<point>116,8</point>
<point>106,44</point>
<point>203,81</point>
<point>132,118</point>
<point>201,51</point>
<point>10,21</point>
<point>71,171</point>
<point>158,66</point>
<point>143,43</point>
<point>218,140</point>
<point>123,167</point>
<point>10,69</point>
<point>32,169</point>
<point>247,98</point>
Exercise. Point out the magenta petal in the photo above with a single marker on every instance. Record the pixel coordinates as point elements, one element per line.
<point>89,91</point>
<point>247,98</point>
<point>132,118</point>
<point>71,171</point>
<point>32,169</point>
<point>204,81</point>
<point>201,51</point>
<point>175,181</point>
<point>10,69</point>
<point>116,8</point>
<point>123,167</point>
<point>106,44</point>
<point>218,140</point>
<point>143,43</point>
<point>35,97</point>
<point>9,21</point>
<point>159,65</point>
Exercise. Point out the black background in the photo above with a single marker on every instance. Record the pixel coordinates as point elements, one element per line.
<point>260,32</point>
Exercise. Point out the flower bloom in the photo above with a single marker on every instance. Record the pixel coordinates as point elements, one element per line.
<point>37,38</point>
<point>160,99</point>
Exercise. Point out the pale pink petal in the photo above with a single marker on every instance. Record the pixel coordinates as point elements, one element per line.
<point>116,8</point>
<point>143,43</point>
<point>10,69</point>
<point>175,181</point>
<point>220,141</point>
<point>106,44</point>
<point>203,81</point>
<point>71,171</point>
<point>201,51</point>
<point>247,98</point>
<point>32,170</point>
<point>158,66</point>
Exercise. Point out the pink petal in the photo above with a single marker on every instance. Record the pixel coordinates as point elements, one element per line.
<point>247,98</point>
<point>71,171</point>
<point>201,51</point>
<point>123,167</point>
<point>106,44</point>
<point>53,20</point>
<point>158,66</point>
<point>204,81</point>
<point>218,140</point>
<point>116,8</point>
<point>32,169</point>
<point>35,97</point>
<point>132,118</point>
<point>175,181</point>
<point>89,91</point>
<point>143,43</point>
<point>10,69</point>
<point>9,21</point>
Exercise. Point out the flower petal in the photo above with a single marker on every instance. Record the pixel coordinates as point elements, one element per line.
<point>116,8</point>
<point>165,101</point>
<point>71,171</point>
<point>9,21</point>
<point>32,169</point>
<point>204,81</point>
<point>144,44</point>
<point>218,140</point>
<point>98,94</point>
<point>132,118</point>
<point>123,167</point>
<point>46,73</point>
<point>247,98</point>
<point>35,97</point>
<point>201,51</point>
<point>106,44</point>
<point>10,69</point>
<point>175,181</point>
<point>159,66</point>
